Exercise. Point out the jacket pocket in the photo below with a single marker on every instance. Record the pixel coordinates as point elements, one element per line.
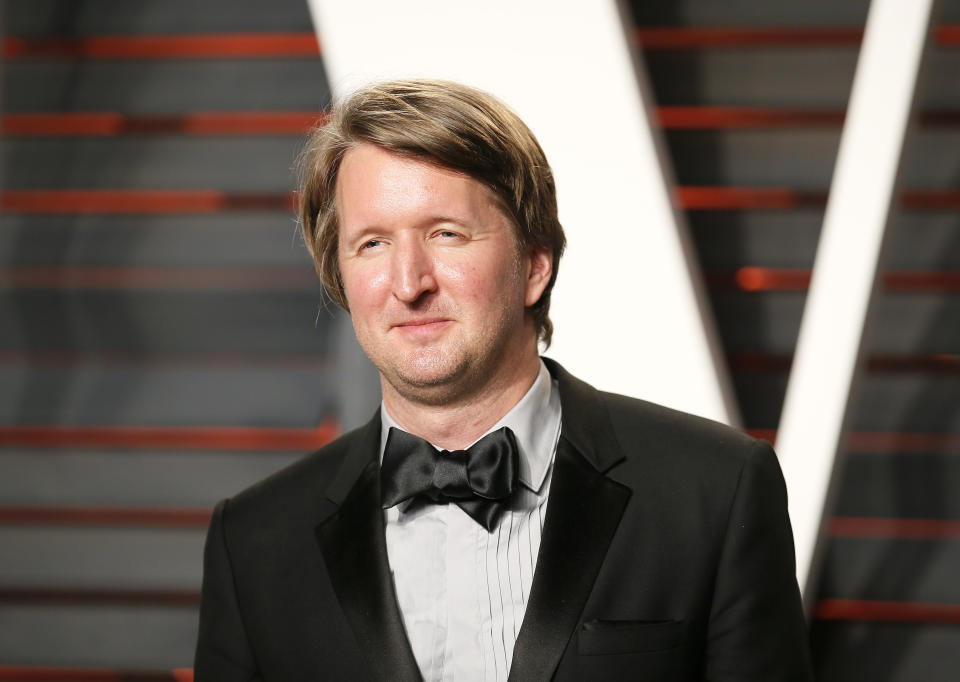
<point>603,637</point>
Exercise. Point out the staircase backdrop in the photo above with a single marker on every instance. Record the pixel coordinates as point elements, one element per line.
<point>163,342</point>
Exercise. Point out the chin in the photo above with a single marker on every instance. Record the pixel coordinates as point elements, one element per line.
<point>431,379</point>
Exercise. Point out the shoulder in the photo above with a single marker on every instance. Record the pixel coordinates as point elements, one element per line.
<point>682,443</point>
<point>295,492</point>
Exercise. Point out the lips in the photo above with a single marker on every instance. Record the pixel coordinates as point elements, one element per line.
<point>422,327</point>
<point>421,322</point>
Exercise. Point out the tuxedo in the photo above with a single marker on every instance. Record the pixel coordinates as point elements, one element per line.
<point>666,554</point>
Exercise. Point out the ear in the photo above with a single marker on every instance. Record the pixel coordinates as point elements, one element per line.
<point>539,271</point>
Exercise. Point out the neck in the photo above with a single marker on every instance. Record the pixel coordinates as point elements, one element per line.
<point>456,425</point>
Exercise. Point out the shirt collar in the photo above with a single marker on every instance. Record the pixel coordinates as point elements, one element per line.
<point>535,422</point>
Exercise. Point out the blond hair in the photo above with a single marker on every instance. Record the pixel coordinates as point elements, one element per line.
<point>442,122</point>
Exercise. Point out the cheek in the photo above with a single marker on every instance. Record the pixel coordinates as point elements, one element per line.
<point>486,286</point>
<point>364,286</point>
<point>468,284</point>
<point>456,273</point>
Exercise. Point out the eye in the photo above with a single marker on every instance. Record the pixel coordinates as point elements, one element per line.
<point>370,244</point>
<point>448,234</point>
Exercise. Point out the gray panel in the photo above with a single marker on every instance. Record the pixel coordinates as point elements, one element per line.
<point>261,164</point>
<point>254,239</point>
<point>908,402</point>
<point>230,321</point>
<point>777,76</point>
<point>104,558</point>
<point>767,321</point>
<point>906,322</point>
<point>804,77</point>
<point>131,477</point>
<point>903,322</point>
<point>726,240</point>
<point>166,86</point>
<point>894,652</point>
<point>800,159</point>
<point>788,239</point>
<point>109,636</point>
<point>198,396</point>
<point>901,485</point>
<point>891,570</point>
<point>760,397</point>
<point>358,378</point>
<point>95,17</point>
<point>763,13</point>
<point>904,402</point>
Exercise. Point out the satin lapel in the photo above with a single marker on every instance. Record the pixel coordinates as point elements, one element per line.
<point>583,512</point>
<point>355,550</point>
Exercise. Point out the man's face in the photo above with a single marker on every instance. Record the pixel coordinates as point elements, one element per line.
<point>436,287</point>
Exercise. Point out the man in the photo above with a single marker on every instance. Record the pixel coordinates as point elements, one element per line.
<point>497,517</point>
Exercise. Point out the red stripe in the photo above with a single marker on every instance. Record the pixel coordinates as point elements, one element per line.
<point>904,442</point>
<point>700,198</point>
<point>692,198</point>
<point>30,673</point>
<point>900,529</point>
<point>796,279</point>
<point>717,118</point>
<point>153,358</point>
<point>715,198</point>
<point>947,34</point>
<point>306,45</point>
<point>885,442</point>
<point>166,46</point>
<point>98,597</point>
<point>763,279</point>
<point>904,280</point>
<point>688,38</point>
<point>892,611</point>
<point>932,199</point>
<point>104,515</point>
<point>170,437</point>
<point>940,363</point>
<point>106,124</point>
<point>199,123</point>
<point>112,201</point>
<point>757,361</point>
<point>128,277</point>
<point>141,201</point>
<point>745,117</point>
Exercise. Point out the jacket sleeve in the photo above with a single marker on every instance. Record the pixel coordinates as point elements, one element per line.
<point>756,628</point>
<point>223,649</point>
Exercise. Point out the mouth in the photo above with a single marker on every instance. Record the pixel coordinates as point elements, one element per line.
<point>422,322</point>
<point>423,325</point>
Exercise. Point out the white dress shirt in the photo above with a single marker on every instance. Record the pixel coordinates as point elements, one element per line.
<point>463,591</point>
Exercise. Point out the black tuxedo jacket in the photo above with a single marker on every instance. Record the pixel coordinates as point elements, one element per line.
<point>666,555</point>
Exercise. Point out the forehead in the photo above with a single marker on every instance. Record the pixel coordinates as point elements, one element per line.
<point>374,185</point>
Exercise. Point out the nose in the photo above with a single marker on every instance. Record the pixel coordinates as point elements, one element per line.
<point>413,274</point>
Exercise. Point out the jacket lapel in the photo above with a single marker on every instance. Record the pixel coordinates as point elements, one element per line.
<point>354,547</point>
<point>583,512</point>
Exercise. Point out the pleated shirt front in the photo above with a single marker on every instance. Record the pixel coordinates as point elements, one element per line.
<point>463,591</point>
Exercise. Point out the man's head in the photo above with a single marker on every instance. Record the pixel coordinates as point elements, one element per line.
<point>444,124</point>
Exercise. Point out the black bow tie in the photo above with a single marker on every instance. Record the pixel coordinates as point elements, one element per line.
<point>479,479</point>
